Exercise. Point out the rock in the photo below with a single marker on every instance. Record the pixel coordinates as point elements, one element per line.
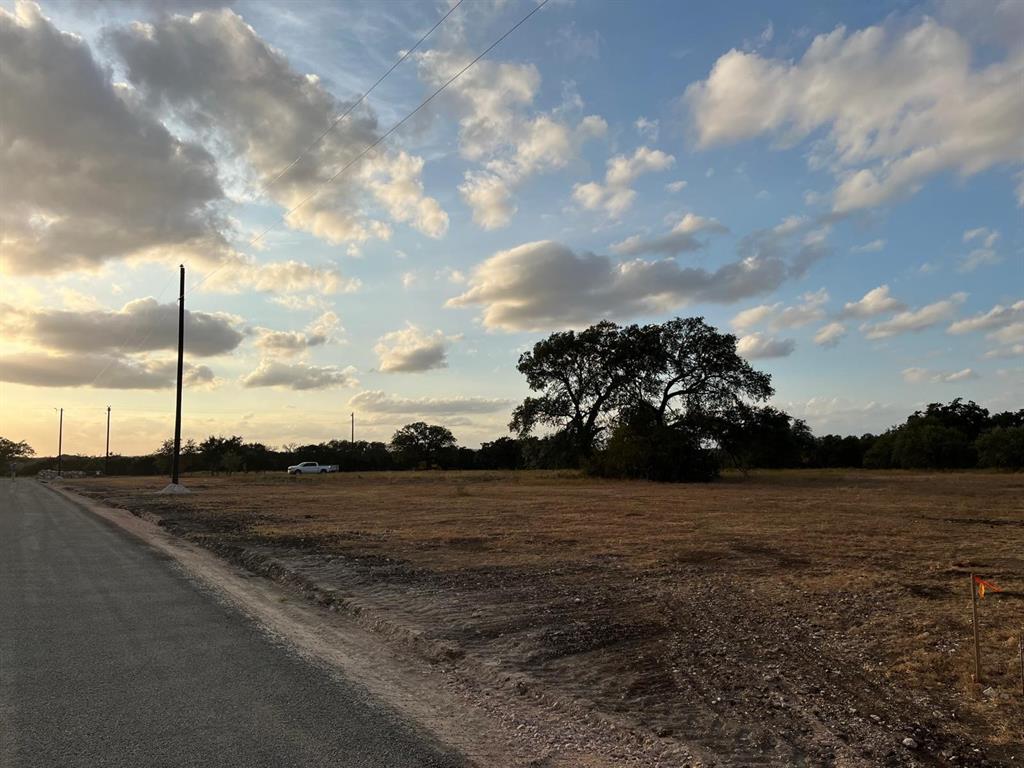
<point>909,743</point>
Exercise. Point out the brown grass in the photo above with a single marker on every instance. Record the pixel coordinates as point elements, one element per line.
<point>685,608</point>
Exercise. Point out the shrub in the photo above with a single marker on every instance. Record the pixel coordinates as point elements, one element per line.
<point>1002,447</point>
<point>654,452</point>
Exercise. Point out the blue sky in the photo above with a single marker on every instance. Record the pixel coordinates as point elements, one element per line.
<point>838,184</point>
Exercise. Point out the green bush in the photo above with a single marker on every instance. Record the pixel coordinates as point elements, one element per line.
<point>1002,447</point>
<point>924,444</point>
<point>654,452</point>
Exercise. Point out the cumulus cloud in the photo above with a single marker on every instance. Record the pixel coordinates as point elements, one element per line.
<point>915,320</point>
<point>877,301</point>
<point>810,309</point>
<point>212,70</point>
<point>897,107</point>
<point>616,196</point>
<point>299,376</point>
<point>758,345</point>
<point>142,325</point>
<point>925,376</point>
<point>497,130</point>
<point>543,285</point>
<point>239,273</point>
<point>411,350</point>
<point>290,343</point>
<point>682,238</point>
<point>830,335</point>
<point>97,178</point>
<point>376,401</point>
<point>997,317</point>
<point>1005,326</point>
<point>675,186</point>
<point>39,369</point>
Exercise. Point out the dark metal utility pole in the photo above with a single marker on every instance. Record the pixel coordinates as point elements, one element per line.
<point>106,456</point>
<point>353,438</point>
<point>181,368</point>
<point>60,444</point>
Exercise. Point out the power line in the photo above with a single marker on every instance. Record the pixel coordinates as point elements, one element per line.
<point>383,136</point>
<point>264,187</point>
<point>360,100</point>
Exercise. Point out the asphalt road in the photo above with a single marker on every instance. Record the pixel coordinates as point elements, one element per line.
<point>111,656</point>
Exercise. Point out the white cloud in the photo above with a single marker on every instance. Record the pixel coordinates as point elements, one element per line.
<point>492,100</point>
<point>648,129</point>
<point>682,238</point>
<point>142,325</point>
<point>987,237</point>
<point>289,343</point>
<point>238,273</point>
<point>925,376</point>
<point>830,335</point>
<point>809,310</point>
<point>979,257</point>
<point>873,247</point>
<point>1005,326</point>
<point>877,301</point>
<point>675,186</point>
<point>376,401</point>
<point>754,316</point>
<point>299,376</point>
<point>758,345</point>
<point>545,284</point>
<point>100,371</point>
<point>898,106</point>
<point>212,69</point>
<point>411,350</point>
<point>837,414</point>
<point>915,320</point>
<point>98,178</point>
<point>616,196</point>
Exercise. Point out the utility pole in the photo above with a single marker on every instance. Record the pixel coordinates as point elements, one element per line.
<point>181,368</point>
<point>60,444</point>
<point>353,438</point>
<point>106,456</point>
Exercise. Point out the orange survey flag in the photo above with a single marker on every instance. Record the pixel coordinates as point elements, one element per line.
<point>983,585</point>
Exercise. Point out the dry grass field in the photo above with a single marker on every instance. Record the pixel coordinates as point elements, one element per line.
<point>785,618</point>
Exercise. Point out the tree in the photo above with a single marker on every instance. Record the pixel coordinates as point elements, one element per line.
<point>763,437</point>
<point>1002,447</point>
<point>968,418</point>
<point>11,450</point>
<point>583,378</point>
<point>213,448</point>
<point>503,453</point>
<point>700,372</point>
<point>421,444</point>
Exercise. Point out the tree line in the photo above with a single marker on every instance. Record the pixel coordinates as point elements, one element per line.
<point>673,401</point>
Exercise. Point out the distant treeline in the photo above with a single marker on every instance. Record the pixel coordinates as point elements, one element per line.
<point>957,435</point>
<point>672,401</point>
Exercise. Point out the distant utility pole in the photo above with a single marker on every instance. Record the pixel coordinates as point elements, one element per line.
<point>181,368</point>
<point>353,438</point>
<point>60,443</point>
<point>106,456</point>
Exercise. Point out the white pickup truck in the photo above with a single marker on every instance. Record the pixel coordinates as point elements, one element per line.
<point>311,468</point>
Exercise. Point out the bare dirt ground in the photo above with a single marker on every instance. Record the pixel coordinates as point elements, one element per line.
<point>785,618</point>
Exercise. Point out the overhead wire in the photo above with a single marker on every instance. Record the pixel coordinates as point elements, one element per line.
<point>265,186</point>
<point>369,148</point>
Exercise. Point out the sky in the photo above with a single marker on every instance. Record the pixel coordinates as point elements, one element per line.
<point>838,184</point>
